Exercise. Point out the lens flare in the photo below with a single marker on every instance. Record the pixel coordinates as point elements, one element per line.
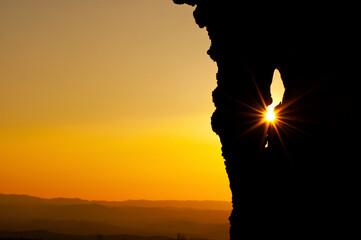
<point>270,114</point>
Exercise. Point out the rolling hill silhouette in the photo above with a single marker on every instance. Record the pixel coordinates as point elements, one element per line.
<point>147,218</point>
<point>209,205</point>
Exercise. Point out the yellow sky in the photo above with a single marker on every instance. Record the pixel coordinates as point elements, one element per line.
<point>107,100</point>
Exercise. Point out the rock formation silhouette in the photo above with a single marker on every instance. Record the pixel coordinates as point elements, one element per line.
<point>305,183</point>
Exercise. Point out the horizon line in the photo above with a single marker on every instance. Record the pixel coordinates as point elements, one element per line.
<point>93,200</point>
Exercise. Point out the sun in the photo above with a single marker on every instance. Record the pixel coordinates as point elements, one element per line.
<point>270,115</point>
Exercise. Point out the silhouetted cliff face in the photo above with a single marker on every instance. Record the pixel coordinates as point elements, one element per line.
<point>303,184</point>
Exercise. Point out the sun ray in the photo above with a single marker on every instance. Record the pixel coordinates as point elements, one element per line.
<point>259,123</point>
<point>289,125</point>
<point>280,139</point>
<point>286,105</point>
<point>255,83</point>
<point>242,103</point>
<point>265,133</point>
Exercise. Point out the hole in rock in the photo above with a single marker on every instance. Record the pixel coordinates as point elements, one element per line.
<point>277,91</point>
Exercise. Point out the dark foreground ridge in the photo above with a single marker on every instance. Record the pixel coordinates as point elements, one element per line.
<point>305,182</point>
<point>44,235</point>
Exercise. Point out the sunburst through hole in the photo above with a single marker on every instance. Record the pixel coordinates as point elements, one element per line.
<point>270,114</point>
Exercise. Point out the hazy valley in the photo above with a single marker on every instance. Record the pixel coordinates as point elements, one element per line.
<point>194,219</point>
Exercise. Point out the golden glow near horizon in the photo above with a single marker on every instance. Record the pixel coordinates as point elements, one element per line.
<point>99,100</point>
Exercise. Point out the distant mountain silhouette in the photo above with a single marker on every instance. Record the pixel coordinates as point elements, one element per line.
<point>76,216</point>
<point>207,204</point>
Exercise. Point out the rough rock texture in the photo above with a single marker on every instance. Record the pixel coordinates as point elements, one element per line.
<point>305,183</point>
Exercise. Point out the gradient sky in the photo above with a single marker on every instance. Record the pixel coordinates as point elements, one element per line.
<point>107,100</point>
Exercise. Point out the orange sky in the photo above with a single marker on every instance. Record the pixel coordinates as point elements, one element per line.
<point>107,100</point>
